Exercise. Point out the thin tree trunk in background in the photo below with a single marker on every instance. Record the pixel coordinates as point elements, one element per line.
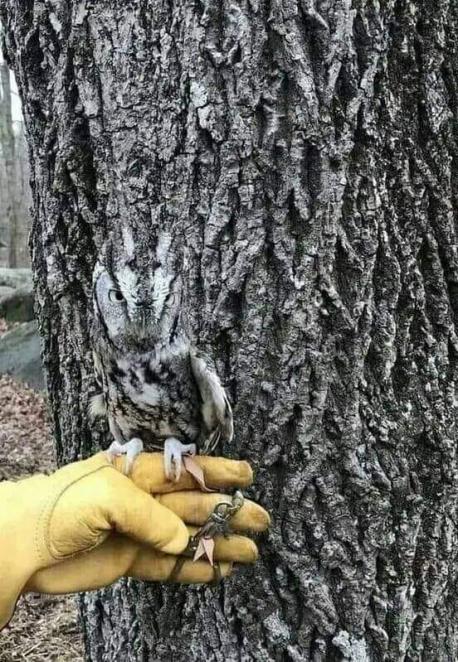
<point>304,157</point>
<point>7,144</point>
<point>4,218</point>
<point>4,227</point>
<point>23,198</point>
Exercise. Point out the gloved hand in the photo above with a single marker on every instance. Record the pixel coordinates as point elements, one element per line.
<point>87,524</point>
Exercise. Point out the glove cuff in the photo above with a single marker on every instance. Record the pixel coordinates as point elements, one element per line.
<point>26,510</point>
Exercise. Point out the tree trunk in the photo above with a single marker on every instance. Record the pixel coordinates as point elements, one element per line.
<point>9,220</point>
<point>304,154</point>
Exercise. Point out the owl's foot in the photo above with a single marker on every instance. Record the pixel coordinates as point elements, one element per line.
<point>173,452</point>
<point>130,450</point>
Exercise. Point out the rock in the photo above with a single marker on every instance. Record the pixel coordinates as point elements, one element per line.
<point>15,277</point>
<point>17,306</point>
<point>20,355</point>
<point>4,290</point>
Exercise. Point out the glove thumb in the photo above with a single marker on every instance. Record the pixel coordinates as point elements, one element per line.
<point>111,502</point>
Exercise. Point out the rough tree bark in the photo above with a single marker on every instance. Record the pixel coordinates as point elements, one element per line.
<point>305,152</point>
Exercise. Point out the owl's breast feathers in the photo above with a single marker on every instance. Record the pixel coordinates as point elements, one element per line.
<point>157,395</point>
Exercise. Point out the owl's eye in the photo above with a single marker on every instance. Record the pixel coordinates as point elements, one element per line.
<point>115,296</point>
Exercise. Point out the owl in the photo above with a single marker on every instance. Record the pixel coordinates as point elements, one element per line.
<point>156,389</point>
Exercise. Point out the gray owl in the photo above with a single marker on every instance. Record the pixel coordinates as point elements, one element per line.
<point>156,389</point>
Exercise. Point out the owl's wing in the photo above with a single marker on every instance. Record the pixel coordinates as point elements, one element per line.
<point>97,403</point>
<point>216,410</point>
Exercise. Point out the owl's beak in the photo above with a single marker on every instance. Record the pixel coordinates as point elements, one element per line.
<point>140,321</point>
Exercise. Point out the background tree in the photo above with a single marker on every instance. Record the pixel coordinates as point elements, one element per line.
<point>23,197</point>
<point>8,215</point>
<point>303,154</point>
<point>4,229</point>
<point>15,196</point>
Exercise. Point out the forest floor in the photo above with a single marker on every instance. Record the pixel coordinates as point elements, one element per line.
<point>43,628</point>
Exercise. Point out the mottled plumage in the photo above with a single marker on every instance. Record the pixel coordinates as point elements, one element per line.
<point>156,389</point>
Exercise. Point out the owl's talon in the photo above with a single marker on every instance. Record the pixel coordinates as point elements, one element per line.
<point>173,453</point>
<point>131,449</point>
<point>116,449</point>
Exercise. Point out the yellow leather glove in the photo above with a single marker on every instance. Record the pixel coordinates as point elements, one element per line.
<point>87,524</point>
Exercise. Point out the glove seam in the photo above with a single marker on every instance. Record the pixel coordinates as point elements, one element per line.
<point>47,512</point>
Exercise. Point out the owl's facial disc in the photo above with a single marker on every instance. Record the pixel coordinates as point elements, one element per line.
<point>136,294</point>
<point>124,306</point>
<point>135,308</point>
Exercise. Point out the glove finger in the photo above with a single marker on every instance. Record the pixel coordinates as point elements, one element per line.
<point>120,556</point>
<point>87,571</point>
<point>196,507</point>
<point>191,572</point>
<point>149,475</point>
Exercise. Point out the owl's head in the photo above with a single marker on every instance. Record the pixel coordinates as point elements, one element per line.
<point>136,295</point>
